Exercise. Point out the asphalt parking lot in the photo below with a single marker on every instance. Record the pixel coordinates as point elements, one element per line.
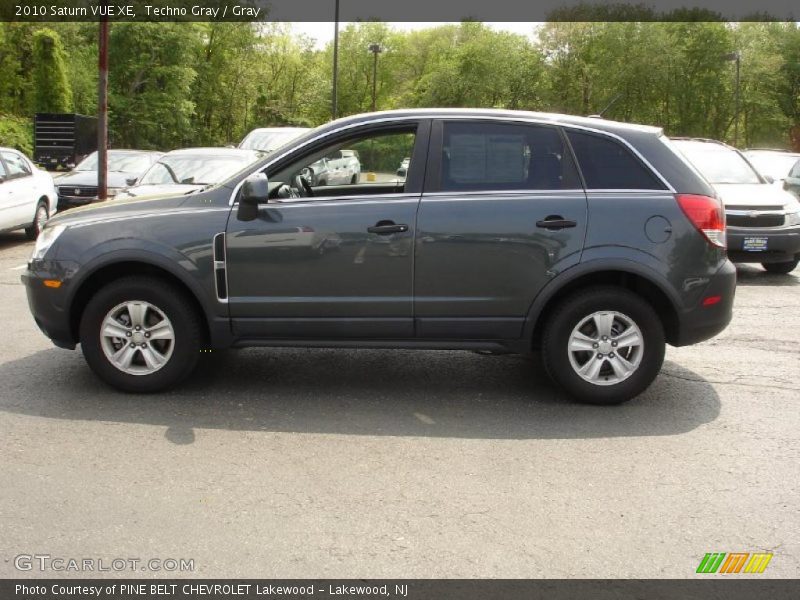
<point>303,463</point>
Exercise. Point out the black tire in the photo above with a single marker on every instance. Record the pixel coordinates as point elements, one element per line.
<point>35,228</point>
<point>782,268</point>
<point>580,305</point>
<point>169,299</point>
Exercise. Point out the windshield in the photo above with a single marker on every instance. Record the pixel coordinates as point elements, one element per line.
<point>717,163</point>
<point>194,169</point>
<point>775,164</point>
<point>269,140</point>
<point>124,162</point>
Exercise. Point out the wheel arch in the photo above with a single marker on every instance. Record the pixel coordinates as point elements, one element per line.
<point>110,271</point>
<point>626,274</point>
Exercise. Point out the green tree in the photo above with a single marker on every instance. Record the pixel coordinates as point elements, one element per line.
<point>53,92</point>
<point>151,72</point>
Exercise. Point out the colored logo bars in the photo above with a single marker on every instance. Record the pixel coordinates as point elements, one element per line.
<point>734,562</point>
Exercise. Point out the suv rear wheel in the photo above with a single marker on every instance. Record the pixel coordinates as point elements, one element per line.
<point>603,345</point>
<point>140,334</point>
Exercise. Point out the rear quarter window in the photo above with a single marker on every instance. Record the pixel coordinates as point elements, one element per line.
<point>608,165</point>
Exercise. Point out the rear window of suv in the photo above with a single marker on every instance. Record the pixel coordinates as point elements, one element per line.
<point>608,165</point>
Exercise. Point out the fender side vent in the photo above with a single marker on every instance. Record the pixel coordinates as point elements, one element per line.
<point>220,276</point>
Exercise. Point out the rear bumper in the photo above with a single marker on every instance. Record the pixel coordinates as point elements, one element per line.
<point>703,322</point>
<point>783,244</point>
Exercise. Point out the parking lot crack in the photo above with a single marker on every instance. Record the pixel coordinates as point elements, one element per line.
<point>736,381</point>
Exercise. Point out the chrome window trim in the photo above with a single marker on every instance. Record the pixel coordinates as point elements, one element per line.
<point>471,117</point>
<point>532,194</point>
<point>514,192</point>
<point>339,200</point>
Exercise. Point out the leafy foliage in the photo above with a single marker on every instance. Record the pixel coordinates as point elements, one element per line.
<point>184,84</point>
<point>16,132</point>
<point>52,90</point>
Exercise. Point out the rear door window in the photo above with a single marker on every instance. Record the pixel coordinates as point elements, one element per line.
<point>16,165</point>
<point>503,156</point>
<point>608,165</point>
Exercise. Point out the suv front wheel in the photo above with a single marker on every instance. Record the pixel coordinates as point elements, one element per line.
<point>603,345</point>
<point>141,334</point>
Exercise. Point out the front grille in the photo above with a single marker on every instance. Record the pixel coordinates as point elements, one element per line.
<point>755,220</point>
<point>78,191</point>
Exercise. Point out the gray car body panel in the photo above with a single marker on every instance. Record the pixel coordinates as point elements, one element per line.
<point>340,285</point>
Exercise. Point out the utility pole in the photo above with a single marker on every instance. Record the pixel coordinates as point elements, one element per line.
<point>738,92</point>
<point>102,106</point>
<point>737,57</point>
<point>335,99</point>
<point>375,49</point>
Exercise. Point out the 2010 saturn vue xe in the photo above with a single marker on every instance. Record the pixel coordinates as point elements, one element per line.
<point>591,242</point>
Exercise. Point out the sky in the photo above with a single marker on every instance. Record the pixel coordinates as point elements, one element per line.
<point>323,32</point>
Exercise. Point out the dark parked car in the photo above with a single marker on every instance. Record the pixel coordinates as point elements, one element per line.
<point>590,241</point>
<point>763,220</point>
<point>79,187</point>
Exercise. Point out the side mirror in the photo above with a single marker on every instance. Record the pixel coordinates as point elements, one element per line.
<point>130,181</point>
<point>769,178</point>
<point>255,191</point>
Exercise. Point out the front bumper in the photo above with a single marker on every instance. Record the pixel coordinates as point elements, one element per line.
<point>73,202</point>
<point>702,322</point>
<point>47,304</point>
<point>783,244</point>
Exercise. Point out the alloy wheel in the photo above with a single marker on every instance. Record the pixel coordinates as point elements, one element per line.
<point>606,348</point>
<point>137,337</point>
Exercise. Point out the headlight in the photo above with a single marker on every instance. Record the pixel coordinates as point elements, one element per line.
<point>111,192</point>
<point>46,238</point>
<point>793,218</point>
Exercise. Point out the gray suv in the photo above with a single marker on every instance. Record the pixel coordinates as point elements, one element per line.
<point>588,242</point>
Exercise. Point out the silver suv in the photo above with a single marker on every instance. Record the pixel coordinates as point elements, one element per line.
<point>763,220</point>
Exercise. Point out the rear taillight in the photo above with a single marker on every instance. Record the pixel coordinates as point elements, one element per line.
<point>706,214</point>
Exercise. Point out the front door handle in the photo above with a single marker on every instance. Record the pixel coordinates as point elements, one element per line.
<point>387,228</point>
<point>555,222</point>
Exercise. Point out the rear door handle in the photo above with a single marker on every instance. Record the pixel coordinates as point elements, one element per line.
<point>387,227</point>
<point>555,222</point>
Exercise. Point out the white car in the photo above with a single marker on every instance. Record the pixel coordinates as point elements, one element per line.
<point>27,194</point>
<point>773,164</point>
<point>341,167</point>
